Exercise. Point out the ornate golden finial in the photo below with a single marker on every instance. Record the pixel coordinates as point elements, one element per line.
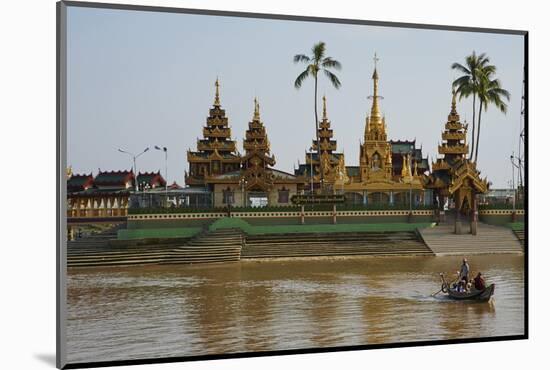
<point>375,116</point>
<point>453,102</point>
<point>376,59</point>
<point>69,172</point>
<point>217,98</point>
<point>324,107</point>
<point>256,110</point>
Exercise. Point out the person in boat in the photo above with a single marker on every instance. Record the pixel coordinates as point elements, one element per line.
<point>479,282</point>
<point>464,271</point>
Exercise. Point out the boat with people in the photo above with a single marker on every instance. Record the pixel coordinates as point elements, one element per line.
<point>464,289</point>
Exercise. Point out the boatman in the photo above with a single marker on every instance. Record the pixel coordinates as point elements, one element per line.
<point>464,271</point>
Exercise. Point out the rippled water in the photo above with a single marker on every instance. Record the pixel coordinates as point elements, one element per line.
<point>185,310</point>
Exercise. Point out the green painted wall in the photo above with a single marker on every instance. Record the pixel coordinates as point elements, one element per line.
<point>128,234</point>
<point>499,219</point>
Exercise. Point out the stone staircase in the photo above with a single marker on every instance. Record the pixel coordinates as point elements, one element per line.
<point>520,234</point>
<point>216,246</point>
<point>490,239</point>
<point>333,244</point>
<point>95,250</point>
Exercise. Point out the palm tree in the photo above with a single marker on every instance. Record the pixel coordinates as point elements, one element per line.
<point>489,92</point>
<point>467,84</point>
<point>315,63</point>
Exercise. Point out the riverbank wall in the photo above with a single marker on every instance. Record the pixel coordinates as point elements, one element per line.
<point>215,237</point>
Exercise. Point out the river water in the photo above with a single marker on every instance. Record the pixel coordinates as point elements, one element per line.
<point>185,310</point>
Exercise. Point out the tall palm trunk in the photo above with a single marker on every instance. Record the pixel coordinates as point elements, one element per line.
<point>472,142</point>
<point>478,128</point>
<point>317,136</point>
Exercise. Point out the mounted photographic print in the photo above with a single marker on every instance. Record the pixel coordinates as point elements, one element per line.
<point>233,184</point>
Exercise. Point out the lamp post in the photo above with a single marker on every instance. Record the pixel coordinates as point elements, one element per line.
<point>311,167</point>
<point>243,183</point>
<point>134,157</point>
<point>519,166</point>
<point>514,166</point>
<point>165,150</point>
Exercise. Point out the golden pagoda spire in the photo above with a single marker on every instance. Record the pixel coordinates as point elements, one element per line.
<point>453,102</point>
<point>324,108</point>
<point>217,98</point>
<point>375,116</point>
<point>256,110</point>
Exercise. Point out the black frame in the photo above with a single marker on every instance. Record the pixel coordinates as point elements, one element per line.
<point>61,268</point>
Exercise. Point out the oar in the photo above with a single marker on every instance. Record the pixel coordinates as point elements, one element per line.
<point>436,293</point>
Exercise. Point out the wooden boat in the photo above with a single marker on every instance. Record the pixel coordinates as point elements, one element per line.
<point>473,294</point>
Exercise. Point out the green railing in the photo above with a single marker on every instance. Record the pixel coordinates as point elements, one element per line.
<point>237,223</point>
<point>309,207</point>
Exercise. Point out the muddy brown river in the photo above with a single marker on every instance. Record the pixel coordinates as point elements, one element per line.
<point>186,310</point>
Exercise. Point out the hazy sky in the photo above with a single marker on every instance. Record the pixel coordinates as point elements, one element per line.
<point>139,79</point>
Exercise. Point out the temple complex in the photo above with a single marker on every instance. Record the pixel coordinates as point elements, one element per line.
<point>389,172</point>
<point>454,176</point>
<point>238,180</point>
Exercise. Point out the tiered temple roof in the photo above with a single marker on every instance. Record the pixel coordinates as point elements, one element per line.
<point>454,171</point>
<point>216,153</point>
<point>454,145</point>
<point>332,163</point>
<point>257,158</point>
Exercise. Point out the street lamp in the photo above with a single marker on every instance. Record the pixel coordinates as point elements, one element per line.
<point>165,150</point>
<point>519,166</point>
<point>311,167</point>
<point>134,157</point>
<point>243,184</point>
<point>514,166</point>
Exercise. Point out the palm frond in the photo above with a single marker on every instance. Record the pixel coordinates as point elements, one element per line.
<point>318,51</point>
<point>301,58</point>
<point>328,62</point>
<point>460,68</point>
<point>333,78</point>
<point>301,77</point>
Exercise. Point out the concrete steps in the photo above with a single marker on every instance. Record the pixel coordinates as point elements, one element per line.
<point>217,246</point>
<point>333,244</point>
<point>489,239</point>
<point>520,234</point>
